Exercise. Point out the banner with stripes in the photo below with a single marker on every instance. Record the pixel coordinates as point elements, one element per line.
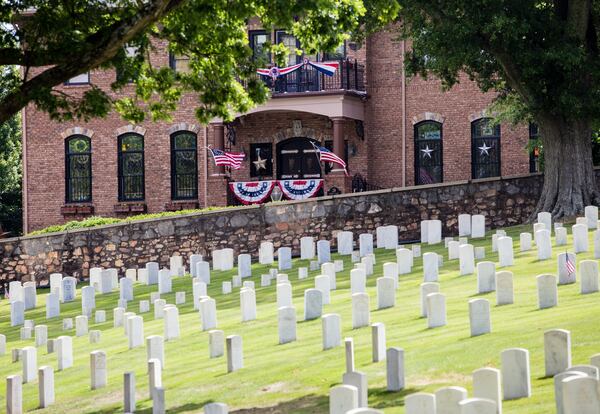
<point>300,189</point>
<point>252,192</point>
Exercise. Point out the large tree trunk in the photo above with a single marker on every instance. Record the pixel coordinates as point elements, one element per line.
<point>569,179</point>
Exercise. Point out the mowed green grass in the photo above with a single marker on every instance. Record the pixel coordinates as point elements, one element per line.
<point>296,377</point>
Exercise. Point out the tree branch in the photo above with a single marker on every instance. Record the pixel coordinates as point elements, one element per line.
<point>103,46</point>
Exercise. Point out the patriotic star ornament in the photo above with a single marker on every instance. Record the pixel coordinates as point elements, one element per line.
<point>260,163</point>
<point>427,151</point>
<point>484,149</point>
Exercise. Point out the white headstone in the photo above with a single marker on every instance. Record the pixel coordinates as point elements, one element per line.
<point>386,292</point>
<point>52,306</point>
<point>557,351</point>
<point>345,243</point>
<point>560,236</point>
<point>430,267</point>
<point>216,343</point>
<point>378,342</point>
<point>547,291</point>
<point>426,289</point>
<point>365,242</point>
<point>171,322</point>
<point>29,361</point>
<point>447,399</point>
<point>466,259</point>
<point>420,403</point>
<point>331,326</point>
<point>284,258</point>
<point>516,379</point>
<point>504,288</point>
<point>525,241</point>
<point>46,386</point>
<point>324,285</point>
<point>464,225</point>
<point>99,372</point>
<point>244,262</point>
<point>208,313</point>
<point>580,238</point>
<point>235,355</point>
<point>313,304</point>
<point>323,251</point>
<point>565,276</point>
<point>486,277</point>
<point>544,244</point>
<point>479,317</point>
<point>486,384</point>
<point>248,304</point>
<point>287,324</point>
<point>17,313</point>
<point>360,310</point>
<point>135,331</point>
<point>266,252</point>
<point>395,369</point>
<point>591,214</point>
<point>505,251</point>
<point>436,310</point>
<point>342,398</point>
<point>477,226</point>
<point>64,352</point>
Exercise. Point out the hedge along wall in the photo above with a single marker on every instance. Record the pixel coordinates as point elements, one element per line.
<point>504,202</point>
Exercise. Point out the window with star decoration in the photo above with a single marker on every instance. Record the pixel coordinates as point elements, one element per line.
<point>261,160</point>
<point>429,166</point>
<point>485,148</point>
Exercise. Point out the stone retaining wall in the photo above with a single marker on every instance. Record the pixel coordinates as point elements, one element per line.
<point>504,202</point>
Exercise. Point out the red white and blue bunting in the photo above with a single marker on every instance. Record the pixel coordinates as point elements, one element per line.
<point>327,68</point>
<point>252,192</point>
<point>300,189</point>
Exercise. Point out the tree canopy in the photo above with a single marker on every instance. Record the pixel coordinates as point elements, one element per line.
<point>541,57</point>
<point>53,41</point>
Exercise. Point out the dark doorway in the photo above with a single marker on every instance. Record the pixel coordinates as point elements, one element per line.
<point>296,159</point>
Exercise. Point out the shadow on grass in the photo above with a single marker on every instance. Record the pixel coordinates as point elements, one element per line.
<point>308,404</point>
<point>382,398</point>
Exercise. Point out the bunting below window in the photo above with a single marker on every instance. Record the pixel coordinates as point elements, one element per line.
<point>252,192</point>
<point>300,189</point>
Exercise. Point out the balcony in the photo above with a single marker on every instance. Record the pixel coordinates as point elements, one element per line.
<point>348,77</point>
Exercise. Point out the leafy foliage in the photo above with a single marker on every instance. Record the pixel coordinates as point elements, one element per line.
<point>60,40</point>
<point>10,167</point>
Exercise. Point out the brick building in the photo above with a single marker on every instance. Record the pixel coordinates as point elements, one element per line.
<point>392,132</point>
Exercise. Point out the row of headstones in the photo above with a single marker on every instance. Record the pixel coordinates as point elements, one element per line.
<point>99,376</point>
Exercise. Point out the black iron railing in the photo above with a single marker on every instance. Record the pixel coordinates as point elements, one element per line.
<point>359,184</point>
<point>348,76</point>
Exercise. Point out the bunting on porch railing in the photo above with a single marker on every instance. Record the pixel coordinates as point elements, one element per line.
<point>300,189</point>
<point>252,192</point>
<point>327,68</point>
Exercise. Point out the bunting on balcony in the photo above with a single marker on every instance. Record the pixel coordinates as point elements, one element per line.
<point>327,68</point>
<point>300,189</point>
<point>252,192</point>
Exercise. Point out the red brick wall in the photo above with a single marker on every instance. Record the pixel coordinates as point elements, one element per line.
<point>378,157</point>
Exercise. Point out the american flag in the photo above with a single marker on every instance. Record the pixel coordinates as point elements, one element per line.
<point>569,264</point>
<point>326,155</point>
<point>229,159</point>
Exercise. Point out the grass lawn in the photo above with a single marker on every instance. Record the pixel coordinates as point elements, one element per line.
<point>296,377</point>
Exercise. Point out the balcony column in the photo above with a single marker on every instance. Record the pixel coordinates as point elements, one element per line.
<point>216,192</point>
<point>337,178</point>
<point>219,137</point>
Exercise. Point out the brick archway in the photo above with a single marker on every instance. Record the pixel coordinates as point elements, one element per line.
<point>136,129</point>
<point>183,126</point>
<point>428,116</point>
<point>77,131</point>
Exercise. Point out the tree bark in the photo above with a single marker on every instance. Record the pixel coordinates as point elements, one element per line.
<point>569,178</point>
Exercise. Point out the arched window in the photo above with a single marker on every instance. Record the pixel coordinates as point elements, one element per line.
<point>131,167</point>
<point>485,148</point>
<point>78,169</point>
<point>429,167</point>
<point>184,166</point>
